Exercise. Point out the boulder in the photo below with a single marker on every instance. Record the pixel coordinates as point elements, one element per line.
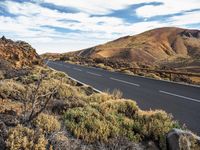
<point>182,140</point>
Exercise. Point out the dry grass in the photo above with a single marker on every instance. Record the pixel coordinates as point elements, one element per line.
<point>6,105</point>
<point>152,75</point>
<point>11,89</point>
<point>47,123</point>
<point>24,138</point>
<point>195,79</point>
<point>101,65</point>
<point>1,75</point>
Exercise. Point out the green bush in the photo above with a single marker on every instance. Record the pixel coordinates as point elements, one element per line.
<point>24,138</point>
<point>88,124</point>
<point>118,118</point>
<point>154,125</point>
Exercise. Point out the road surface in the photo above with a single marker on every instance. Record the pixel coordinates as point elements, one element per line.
<point>182,101</point>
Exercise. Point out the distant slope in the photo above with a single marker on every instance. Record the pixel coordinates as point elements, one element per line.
<point>151,47</point>
<point>17,54</point>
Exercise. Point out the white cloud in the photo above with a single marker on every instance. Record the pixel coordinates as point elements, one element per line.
<point>167,8</point>
<point>186,18</point>
<point>31,19</point>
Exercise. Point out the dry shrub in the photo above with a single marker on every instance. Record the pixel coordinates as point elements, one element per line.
<point>100,65</point>
<point>109,68</point>
<point>11,89</point>
<point>188,142</point>
<point>126,107</point>
<point>61,76</point>
<point>24,138</point>
<point>66,91</point>
<point>60,106</point>
<point>47,123</point>
<point>154,125</point>
<point>120,143</point>
<point>98,98</point>
<point>128,72</point>
<point>1,75</point>
<point>6,105</point>
<point>28,79</point>
<point>152,75</point>
<point>38,70</point>
<point>59,141</point>
<point>116,94</point>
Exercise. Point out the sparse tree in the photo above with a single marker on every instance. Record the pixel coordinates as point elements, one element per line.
<point>34,103</point>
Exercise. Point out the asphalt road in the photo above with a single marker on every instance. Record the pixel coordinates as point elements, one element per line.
<point>182,101</point>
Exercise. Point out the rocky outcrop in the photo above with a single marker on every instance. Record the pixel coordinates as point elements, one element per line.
<point>17,54</point>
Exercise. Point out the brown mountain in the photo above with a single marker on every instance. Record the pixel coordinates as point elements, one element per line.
<point>154,47</point>
<point>17,54</point>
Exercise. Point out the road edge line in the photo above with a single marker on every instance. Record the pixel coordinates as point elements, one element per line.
<point>96,90</point>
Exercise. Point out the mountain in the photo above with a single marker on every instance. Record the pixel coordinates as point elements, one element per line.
<point>17,54</point>
<point>154,47</point>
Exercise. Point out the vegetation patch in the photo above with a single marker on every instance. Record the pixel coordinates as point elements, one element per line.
<point>24,138</point>
<point>118,118</point>
<point>47,110</point>
<point>47,123</point>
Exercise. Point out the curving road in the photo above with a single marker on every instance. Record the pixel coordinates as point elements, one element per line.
<point>182,101</point>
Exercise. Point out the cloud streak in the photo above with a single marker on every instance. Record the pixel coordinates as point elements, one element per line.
<point>167,7</point>
<point>49,29</point>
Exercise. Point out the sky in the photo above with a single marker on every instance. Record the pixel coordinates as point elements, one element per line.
<point>59,26</point>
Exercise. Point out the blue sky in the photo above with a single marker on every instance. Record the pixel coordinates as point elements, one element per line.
<point>67,25</point>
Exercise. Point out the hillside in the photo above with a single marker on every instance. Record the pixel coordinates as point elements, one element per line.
<point>17,54</point>
<point>151,47</point>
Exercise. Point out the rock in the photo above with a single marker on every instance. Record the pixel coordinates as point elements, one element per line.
<point>2,144</point>
<point>3,135</point>
<point>10,112</point>
<point>9,120</point>
<point>3,130</point>
<point>182,140</point>
<point>3,38</point>
<point>151,146</point>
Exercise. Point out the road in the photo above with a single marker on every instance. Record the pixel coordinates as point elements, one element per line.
<point>182,101</point>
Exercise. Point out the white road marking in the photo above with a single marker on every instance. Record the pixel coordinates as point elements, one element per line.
<point>180,96</point>
<point>94,74</point>
<point>77,69</point>
<point>125,82</point>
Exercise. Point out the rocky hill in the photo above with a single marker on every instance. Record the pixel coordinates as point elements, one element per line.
<point>153,47</point>
<point>17,54</point>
